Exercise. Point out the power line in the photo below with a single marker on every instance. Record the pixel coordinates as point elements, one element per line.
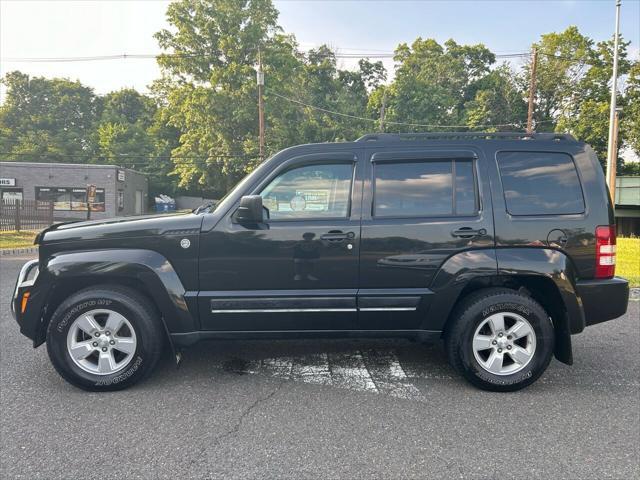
<point>563,57</point>
<point>388,122</point>
<point>129,56</point>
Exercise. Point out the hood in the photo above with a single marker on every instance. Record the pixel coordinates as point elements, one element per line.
<point>141,226</point>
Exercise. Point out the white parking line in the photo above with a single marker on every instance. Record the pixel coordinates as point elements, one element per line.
<point>389,376</point>
<point>375,371</point>
<point>313,368</point>
<point>349,371</point>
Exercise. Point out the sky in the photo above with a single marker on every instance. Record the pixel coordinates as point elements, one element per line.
<point>54,28</point>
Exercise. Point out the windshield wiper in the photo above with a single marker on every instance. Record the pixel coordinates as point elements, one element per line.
<point>203,207</point>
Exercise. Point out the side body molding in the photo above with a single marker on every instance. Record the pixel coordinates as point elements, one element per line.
<point>149,268</point>
<point>549,263</point>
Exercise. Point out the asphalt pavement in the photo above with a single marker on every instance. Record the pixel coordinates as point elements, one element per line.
<point>322,409</point>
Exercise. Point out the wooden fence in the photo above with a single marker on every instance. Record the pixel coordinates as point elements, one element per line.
<point>25,215</point>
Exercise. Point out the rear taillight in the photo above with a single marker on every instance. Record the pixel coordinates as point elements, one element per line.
<point>605,251</point>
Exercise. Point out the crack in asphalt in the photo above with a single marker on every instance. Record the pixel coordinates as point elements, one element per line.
<point>238,424</point>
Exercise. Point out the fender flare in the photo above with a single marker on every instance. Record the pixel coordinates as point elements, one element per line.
<point>542,263</point>
<point>552,264</point>
<point>147,267</point>
<point>453,276</point>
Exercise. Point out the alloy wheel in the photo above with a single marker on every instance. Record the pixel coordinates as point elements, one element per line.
<point>504,343</point>
<point>101,342</point>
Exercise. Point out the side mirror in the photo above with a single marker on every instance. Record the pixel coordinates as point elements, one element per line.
<point>250,210</point>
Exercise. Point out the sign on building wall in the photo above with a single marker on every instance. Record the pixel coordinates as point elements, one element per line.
<point>7,182</point>
<point>121,175</point>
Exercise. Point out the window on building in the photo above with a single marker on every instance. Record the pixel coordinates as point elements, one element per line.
<point>312,191</point>
<point>61,197</point>
<point>540,183</point>
<point>425,189</point>
<point>99,204</point>
<point>70,198</point>
<point>79,199</point>
<point>11,195</point>
<point>120,200</point>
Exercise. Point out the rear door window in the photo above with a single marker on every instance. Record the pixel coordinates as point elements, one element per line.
<point>540,183</point>
<point>431,188</point>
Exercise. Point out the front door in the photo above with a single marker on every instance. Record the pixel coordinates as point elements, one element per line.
<point>298,270</point>
<point>421,208</point>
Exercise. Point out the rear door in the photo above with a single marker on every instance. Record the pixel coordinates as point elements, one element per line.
<point>420,207</point>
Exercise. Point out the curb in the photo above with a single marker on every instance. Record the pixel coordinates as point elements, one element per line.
<point>5,252</point>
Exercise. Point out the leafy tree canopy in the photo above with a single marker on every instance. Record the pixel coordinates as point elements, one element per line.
<point>198,129</point>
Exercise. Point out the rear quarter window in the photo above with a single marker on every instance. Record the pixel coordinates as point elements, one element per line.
<point>540,183</point>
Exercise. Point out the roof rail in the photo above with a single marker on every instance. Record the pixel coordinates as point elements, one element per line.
<point>395,137</point>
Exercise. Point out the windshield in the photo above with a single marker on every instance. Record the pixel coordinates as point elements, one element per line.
<point>223,203</point>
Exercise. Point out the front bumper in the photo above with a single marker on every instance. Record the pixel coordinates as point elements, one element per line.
<point>603,300</point>
<point>28,311</point>
<point>24,284</point>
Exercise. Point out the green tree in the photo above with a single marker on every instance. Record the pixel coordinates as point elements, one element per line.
<point>209,85</point>
<point>131,132</point>
<point>323,85</point>
<point>434,82</point>
<point>630,122</point>
<point>562,61</point>
<point>47,119</point>
<point>497,101</point>
<point>123,127</point>
<point>585,105</point>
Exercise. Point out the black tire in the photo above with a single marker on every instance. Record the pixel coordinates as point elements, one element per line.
<point>469,315</point>
<point>140,313</point>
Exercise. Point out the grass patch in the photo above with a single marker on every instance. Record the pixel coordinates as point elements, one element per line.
<point>628,260</point>
<point>13,239</point>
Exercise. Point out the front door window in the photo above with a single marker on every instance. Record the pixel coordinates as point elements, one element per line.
<point>308,192</point>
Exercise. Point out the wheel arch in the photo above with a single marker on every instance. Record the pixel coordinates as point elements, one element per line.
<point>147,272</point>
<point>547,275</point>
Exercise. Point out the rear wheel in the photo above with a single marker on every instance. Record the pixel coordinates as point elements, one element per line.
<point>500,340</point>
<point>104,338</point>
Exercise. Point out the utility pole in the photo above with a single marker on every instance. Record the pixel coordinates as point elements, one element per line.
<point>382,109</point>
<point>612,150</point>
<point>532,89</point>
<point>612,178</point>
<point>91,199</point>
<point>260,81</point>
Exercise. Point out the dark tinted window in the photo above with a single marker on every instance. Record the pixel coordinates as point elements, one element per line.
<point>424,189</point>
<point>540,183</point>
<point>465,188</point>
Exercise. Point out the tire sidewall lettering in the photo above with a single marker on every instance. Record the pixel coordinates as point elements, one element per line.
<point>121,376</point>
<point>76,310</point>
<point>506,307</point>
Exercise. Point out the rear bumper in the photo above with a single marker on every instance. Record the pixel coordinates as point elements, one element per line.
<point>603,300</point>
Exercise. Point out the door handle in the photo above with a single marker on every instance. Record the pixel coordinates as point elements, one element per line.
<point>468,232</point>
<point>337,236</point>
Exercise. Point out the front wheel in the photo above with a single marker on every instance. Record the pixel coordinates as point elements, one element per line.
<point>500,340</point>
<point>104,338</point>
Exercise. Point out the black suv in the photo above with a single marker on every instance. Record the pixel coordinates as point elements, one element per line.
<point>503,245</point>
